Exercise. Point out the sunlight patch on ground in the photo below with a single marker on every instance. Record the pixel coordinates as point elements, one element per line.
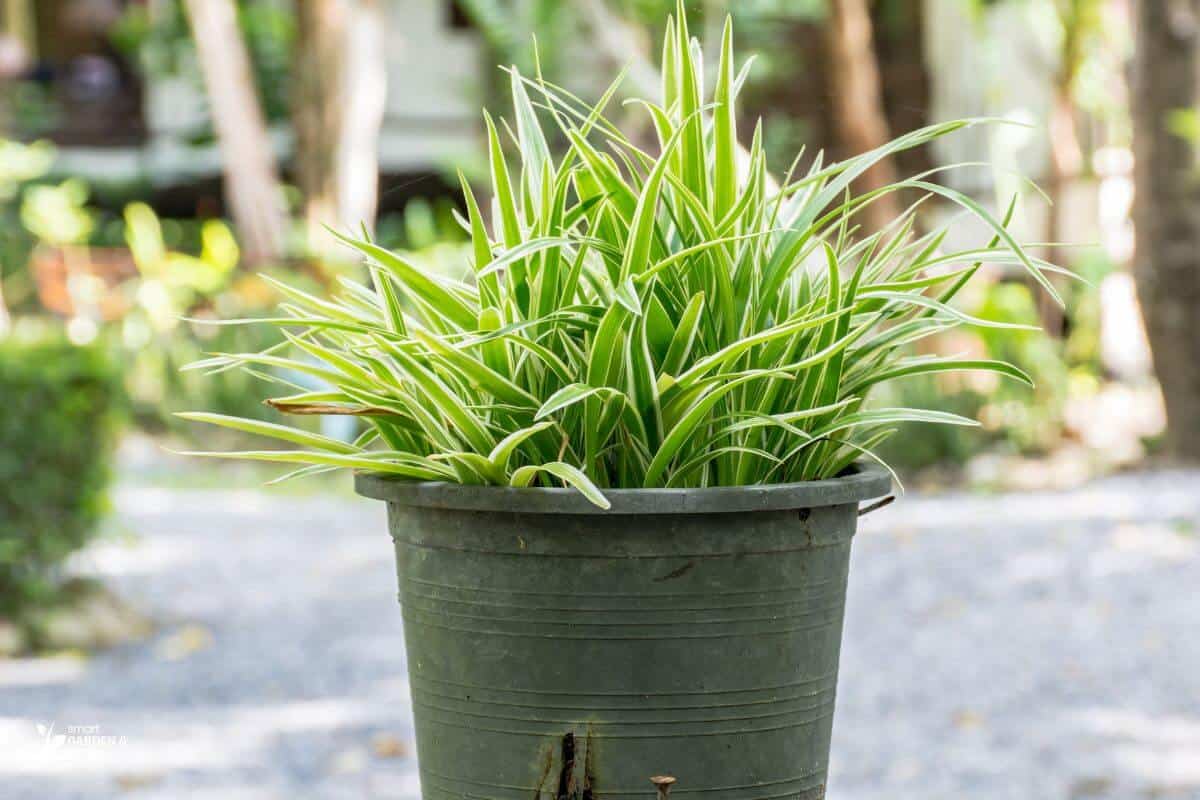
<point>130,744</point>
<point>16,673</point>
<point>1163,750</point>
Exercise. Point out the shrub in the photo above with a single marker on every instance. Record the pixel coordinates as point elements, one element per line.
<point>56,441</point>
<point>637,319</point>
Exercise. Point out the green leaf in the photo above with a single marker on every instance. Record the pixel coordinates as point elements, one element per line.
<point>443,301</point>
<point>685,336</point>
<point>941,365</point>
<point>510,223</point>
<point>535,153</point>
<point>409,469</point>
<point>725,130</point>
<point>568,474</point>
<point>442,397</point>
<point>270,429</point>
<point>569,396</point>
<point>914,299</point>
<point>524,250</point>
<point>637,248</point>
<point>887,416</point>
<point>477,372</point>
<point>503,451</point>
<point>691,420</point>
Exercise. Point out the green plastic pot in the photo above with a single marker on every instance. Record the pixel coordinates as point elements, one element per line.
<point>557,650</point>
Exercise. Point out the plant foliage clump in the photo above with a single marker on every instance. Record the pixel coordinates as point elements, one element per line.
<point>57,435</point>
<point>675,318</point>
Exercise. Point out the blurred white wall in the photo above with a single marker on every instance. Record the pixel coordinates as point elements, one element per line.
<point>990,63</point>
<point>434,77</point>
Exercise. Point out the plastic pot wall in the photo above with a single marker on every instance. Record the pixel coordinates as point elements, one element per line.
<point>558,651</point>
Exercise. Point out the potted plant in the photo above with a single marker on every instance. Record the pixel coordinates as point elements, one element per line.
<point>623,463</point>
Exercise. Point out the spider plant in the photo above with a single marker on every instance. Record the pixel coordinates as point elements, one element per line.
<point>638,317</point>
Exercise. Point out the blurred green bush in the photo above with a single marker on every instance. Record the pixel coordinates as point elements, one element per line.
<point>1015,419</point>
<point>128,281</point>
<point>62,406</point>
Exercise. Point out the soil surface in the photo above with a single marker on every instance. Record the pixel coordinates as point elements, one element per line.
<point>1008,647</point>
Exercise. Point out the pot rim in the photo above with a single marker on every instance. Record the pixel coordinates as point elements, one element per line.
<point>866,482</point>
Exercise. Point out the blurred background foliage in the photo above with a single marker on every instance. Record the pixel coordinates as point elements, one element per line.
<point>157,155</point>
<point>120,263</point>
<point>157,40</point>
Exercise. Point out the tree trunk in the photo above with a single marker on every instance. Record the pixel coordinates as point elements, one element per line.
<point>1167,210</point>
<point>317,105</point>
<point>1066,161</point>
<point>252,187</point>
<point>19,23</point>
<point>340,85</point>
<point>366,101</point>
<point>859,119</point>
<point>1066,156</point>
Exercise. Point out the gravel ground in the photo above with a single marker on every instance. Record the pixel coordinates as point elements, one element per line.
<point>1023,647</point>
